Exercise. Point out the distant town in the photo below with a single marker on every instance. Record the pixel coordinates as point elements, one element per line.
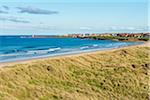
<point>110,34</point>
<point>100,36</point>
<point>113,36</point>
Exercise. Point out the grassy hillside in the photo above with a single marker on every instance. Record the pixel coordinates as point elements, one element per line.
<point>114,75</point>
<point>118,38</point>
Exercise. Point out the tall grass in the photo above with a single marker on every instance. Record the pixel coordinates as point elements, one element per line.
<point>114,75</point>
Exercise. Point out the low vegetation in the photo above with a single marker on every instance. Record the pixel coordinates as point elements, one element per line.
<point>113,75</point>
<point>118,38</point>
<point>144,39</point>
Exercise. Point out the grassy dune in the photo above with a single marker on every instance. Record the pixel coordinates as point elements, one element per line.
<point>114,75</point>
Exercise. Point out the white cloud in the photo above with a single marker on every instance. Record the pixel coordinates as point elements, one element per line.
<point>29,26</point>
<point>33,10</point>
<point>13,19</point>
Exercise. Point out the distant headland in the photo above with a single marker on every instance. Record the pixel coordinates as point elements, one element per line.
<point>99,36</point>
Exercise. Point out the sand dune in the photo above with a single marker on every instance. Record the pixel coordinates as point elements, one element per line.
<point>121,74</point>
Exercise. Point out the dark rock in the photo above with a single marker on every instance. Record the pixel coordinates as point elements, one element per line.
<point>146,65</point>
<point>124,51</point>
<point>49,68</point>
<point>77,90</point>
<point>133,66</point>
<point>146,73</point>
<point>54,96</point>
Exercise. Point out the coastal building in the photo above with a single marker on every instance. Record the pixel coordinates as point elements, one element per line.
<point>75,35</point>
<point>134,35</point>
<point>114,34</point>
<point>106,34</point>
<point>123,35</point>
<point>138,35</point>
<point>146,35</point>
<point>86,35</point>
<point>33,36</point>
<point>94,34</point>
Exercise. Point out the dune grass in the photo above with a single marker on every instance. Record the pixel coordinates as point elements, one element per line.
<point>115,75</point>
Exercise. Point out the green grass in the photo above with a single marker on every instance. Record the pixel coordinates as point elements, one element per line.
<point>109,38</point>
<point>115,75</point>
<point>118,38</point>
<point>144,39</point>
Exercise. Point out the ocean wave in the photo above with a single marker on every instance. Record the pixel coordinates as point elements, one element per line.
<point>54,49</point>
<point>31,52</point>
<point>89,47</point>
<point>95,45</point>
<point>85,47</point>
<point>8,55</point>
<point>43,51</point>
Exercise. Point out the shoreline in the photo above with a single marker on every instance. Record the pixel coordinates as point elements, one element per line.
<point>34,60</point>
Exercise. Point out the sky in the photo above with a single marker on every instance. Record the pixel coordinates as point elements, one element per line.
<point>56,17</point>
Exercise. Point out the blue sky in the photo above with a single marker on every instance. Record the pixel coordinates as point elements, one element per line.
<point>72,16</point>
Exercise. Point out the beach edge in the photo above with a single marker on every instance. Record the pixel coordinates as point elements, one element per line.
<point>34,60</point>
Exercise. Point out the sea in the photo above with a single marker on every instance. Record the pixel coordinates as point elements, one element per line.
<point>16,48</point>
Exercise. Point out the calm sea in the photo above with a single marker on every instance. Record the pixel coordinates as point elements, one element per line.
<point>16,48</point>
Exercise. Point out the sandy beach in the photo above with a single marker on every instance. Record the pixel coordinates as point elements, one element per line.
<point>34,60</point>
